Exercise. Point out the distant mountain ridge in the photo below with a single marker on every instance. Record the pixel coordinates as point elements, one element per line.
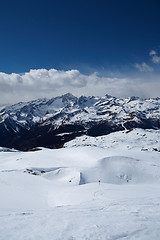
<point>52,122</point>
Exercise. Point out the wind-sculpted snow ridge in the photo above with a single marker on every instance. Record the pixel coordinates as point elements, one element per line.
<point>51,123</point>
<point>3,149</point>
<point>122,170</point>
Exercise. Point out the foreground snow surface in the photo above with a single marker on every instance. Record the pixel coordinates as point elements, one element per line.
<point>55,194</point>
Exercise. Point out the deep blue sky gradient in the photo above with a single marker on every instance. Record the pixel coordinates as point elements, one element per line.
<point>81,34</point>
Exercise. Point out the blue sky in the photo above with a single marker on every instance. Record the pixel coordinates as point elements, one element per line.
<point>114,38</point>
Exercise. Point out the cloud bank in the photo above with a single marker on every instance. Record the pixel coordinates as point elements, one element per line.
<point>50,83</point>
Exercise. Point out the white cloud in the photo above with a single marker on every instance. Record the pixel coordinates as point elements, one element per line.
<point>152,52</point>
<point>50,83</point>
<point>143,67</point>
<point>155,58</point>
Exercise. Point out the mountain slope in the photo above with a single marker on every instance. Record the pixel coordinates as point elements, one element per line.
<point>51,123</point>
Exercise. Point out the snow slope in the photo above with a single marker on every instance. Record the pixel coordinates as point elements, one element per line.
<point>138,139</point>
<point>55,194</point>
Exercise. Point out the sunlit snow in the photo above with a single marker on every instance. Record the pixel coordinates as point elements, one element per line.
<point>55,194</point>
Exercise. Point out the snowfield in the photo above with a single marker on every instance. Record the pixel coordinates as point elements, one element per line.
<point>55,194</point>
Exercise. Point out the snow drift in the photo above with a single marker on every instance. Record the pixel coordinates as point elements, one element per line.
<point>122,170</point>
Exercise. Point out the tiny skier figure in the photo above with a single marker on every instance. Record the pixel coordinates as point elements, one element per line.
<point>99,182</point>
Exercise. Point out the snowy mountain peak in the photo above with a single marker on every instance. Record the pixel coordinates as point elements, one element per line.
<point>45,120</point>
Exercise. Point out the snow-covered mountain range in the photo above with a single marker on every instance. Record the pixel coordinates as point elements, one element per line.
<point>51,123</point>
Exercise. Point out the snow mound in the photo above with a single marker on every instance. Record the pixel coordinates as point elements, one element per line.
<point>64,175</point>
<point>121,170</point>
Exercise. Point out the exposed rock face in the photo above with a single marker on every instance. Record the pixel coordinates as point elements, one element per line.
<point>51,123</point>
